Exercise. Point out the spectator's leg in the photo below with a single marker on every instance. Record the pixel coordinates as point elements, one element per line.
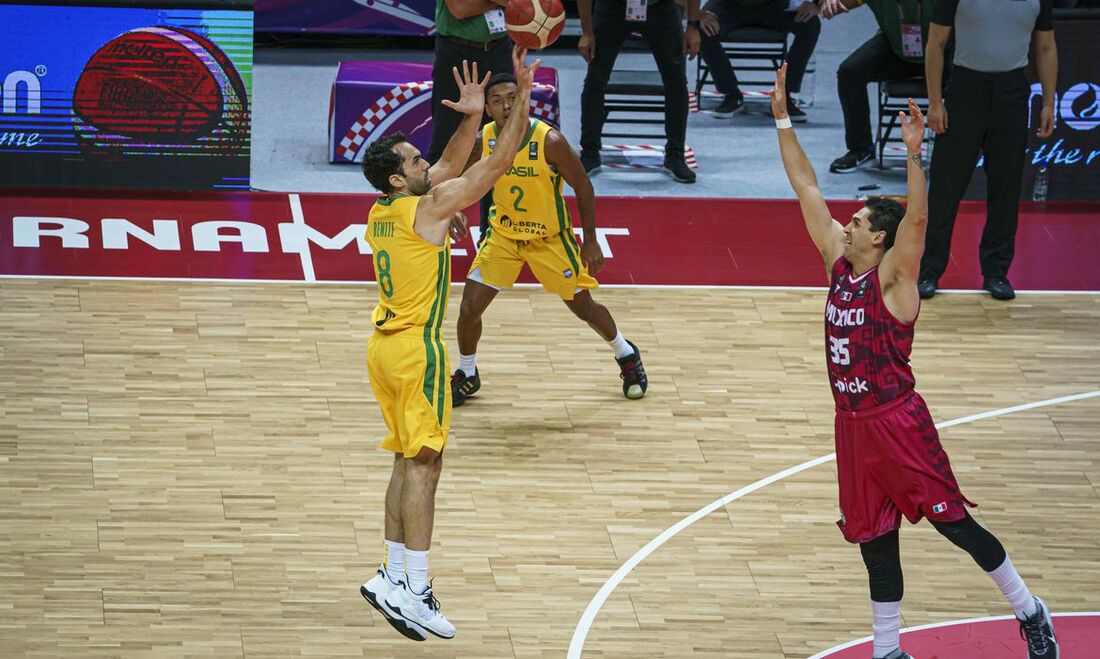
<point>666,39</point>
<point>610,29</point>
<point>445,121</point>
<point>802,47</point>
<point>711,48</point>
<point>872,62</point>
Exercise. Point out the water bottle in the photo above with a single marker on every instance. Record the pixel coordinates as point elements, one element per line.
<point>1042,184</point>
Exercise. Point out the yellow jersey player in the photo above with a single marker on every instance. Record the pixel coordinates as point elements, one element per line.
<point>529,223</point>
<point>406,359</point>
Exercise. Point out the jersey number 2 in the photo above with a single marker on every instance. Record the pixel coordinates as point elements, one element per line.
<point>839,349</point>
<point>382,270</point>
<point>518,191</point>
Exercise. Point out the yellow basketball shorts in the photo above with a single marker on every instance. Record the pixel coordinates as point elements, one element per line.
<point>409,375</point>
<point>555,261</point>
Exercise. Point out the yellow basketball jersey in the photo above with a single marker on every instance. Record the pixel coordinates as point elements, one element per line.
<point>527,201</point>
<point>413,275</point>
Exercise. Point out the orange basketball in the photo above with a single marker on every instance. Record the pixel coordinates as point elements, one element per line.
<point>534,24</point>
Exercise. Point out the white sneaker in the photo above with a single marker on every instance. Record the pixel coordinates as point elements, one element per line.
<point>375,591</point>
<point>422,610</point>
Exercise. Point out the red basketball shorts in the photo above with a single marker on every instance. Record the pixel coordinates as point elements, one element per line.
<point>890,463</point>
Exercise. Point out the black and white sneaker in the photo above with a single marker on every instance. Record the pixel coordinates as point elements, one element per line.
<point>463,387</point>
<point>1038,631</point>
<point>632,373</point>
<point>851,161</point>
<point>419,609</point>
<point>731,104</point>
<point>898,653</point>
<point>375,591</point>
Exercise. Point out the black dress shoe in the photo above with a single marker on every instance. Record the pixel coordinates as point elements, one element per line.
<point>926,287</point>
<point>999,288</point>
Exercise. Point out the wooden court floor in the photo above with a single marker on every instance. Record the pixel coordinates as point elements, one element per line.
<point>191,470</point>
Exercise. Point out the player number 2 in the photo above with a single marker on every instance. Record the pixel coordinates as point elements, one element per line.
<point>518,191</point>
<point>382,270</point>
<point>839,348</point>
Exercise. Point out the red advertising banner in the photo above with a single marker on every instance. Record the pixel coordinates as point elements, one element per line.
<point>246,236</point>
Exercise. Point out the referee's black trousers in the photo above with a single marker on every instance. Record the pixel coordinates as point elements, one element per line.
<point>987,113</point>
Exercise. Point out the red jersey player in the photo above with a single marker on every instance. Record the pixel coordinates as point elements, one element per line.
<point>889,458</point>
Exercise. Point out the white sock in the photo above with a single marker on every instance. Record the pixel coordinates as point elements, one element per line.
<point>416,569</point>
<point>885,627</point>
<point>620,346</point>
<point>1014,589</point>
<point>467,364</point>
<point>395,560</point>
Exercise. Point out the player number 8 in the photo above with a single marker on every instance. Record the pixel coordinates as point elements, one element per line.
<point>382,270</point>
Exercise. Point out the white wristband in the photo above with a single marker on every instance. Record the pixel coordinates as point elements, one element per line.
<point>785,122</point>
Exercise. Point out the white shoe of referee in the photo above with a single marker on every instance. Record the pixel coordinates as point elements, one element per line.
<point>422,609</point>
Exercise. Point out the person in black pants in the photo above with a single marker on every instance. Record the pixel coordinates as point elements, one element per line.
<point>668,42</point>
<point>986,112</point>
<point>889,55</point>
<point>472,31</point>
<point>722,16</point>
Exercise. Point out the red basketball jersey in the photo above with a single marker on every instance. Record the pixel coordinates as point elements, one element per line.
<point>866,348</point>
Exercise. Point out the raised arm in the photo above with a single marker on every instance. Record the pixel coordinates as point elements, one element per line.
<point>827,233</point>
<point>900,267</point>
<point>566,162</point>
<point>471,102</point>
<point>441,201</point>
<point>470,8</point>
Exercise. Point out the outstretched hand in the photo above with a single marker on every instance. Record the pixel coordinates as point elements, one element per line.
<point>778,93</point>
<point>525,75</point>
<point>471,98</point>
<point>912,127</point>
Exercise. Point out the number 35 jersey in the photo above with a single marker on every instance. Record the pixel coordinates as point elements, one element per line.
<point>527,201</point>
<point>413,275</point>
<point>866,348</point>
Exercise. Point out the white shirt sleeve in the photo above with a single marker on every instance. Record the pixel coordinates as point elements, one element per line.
<point>793,5</point>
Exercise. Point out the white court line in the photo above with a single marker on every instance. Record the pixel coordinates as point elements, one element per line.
<point>589,615</point>
<point>307,256</point>
<point>364,282</point>
<point>948,623</point>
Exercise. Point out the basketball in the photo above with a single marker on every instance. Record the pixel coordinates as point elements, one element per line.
<point>534,24</point>
<point>161,85</point>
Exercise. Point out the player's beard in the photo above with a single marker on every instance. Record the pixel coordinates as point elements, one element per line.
<point>419,186</point>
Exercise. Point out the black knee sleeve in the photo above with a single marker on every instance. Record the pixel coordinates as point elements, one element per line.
<point>966,534</point>
<point>883,560</point>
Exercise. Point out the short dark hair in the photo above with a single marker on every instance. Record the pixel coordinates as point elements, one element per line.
<point>381,162</point>
<point>886,215</point>
<point>499,79</point>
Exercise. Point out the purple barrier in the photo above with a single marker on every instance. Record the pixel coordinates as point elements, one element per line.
<point>410,17</point>
<point>372,99</point>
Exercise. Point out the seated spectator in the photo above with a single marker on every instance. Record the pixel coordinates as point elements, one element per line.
<point>895,52</point>
<point>720,17</point>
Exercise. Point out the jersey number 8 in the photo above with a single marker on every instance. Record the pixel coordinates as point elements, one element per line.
<point>382,271</point>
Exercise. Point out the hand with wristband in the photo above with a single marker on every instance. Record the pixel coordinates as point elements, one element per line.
<point>778,95</point>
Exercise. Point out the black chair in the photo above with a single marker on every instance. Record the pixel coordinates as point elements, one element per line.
<point>632,99</point>
<point>752,51</point>
<point>893,97</point>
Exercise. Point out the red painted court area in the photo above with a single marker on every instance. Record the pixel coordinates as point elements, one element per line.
<point>1078,638</point>
<point>319,237</point>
